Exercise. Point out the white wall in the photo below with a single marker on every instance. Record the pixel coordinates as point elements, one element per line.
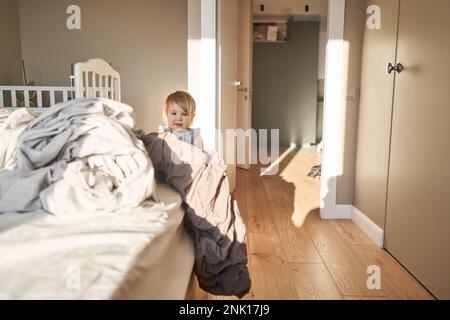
<point>202,66</point>
<point>145,40</point>
<point>353,34</point>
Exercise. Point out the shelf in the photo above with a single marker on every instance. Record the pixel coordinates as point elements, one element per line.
<point>268,41</point>
<point>271,31</point>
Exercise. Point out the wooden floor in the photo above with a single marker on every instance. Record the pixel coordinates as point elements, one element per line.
<point>293,254</point>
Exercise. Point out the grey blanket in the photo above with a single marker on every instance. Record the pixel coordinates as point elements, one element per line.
<point>213,218</point>
<point>77,157</point>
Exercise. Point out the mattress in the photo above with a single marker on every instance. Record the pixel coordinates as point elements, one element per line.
<point>143,253</point>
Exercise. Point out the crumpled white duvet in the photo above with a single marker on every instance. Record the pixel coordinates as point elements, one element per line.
<point>79,203</point>
<point>11,126</point>
<point>76,157</point>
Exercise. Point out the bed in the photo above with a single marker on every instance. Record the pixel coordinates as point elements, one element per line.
<point>102,256</point>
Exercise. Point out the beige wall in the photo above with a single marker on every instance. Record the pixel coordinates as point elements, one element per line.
<point>10,57</point>
<point>353,35</point>
<point>145,40</point>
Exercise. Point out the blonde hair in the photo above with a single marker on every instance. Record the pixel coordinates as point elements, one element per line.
<point>182,99</point>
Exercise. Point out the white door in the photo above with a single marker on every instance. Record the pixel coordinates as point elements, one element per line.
<point>227,37</point>
<point>244,111</point>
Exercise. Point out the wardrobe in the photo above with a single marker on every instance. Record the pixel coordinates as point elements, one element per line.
<point>403,160</point>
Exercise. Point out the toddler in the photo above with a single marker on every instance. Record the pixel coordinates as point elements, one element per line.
<point>178,115</point>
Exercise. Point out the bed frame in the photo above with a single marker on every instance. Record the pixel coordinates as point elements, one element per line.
<point>93,78</point>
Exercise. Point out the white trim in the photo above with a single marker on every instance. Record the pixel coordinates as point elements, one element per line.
<point>209,79</point>
<point>333,105</point>
<point>364,223</point>
<point>202,66</point>
<point>306,146</point>
<point>343,211</point>
<point>370,228</point>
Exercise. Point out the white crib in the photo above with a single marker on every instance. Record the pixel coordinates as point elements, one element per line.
<point>93,78</point>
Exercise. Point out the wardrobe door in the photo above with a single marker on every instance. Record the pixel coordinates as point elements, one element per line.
<point>418,204</point>
<point>375,114</point>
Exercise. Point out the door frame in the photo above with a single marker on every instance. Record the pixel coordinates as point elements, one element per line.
<point>202,68</point>
<point>246,115</point>
<point>203,77</point>
<point>334,109</point>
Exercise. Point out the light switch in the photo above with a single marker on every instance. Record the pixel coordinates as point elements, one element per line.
<point>351,94</point>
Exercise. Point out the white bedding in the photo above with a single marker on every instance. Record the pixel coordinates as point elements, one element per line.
<point>143,254</point>
<point>97,226</point>
<point>77,157</point>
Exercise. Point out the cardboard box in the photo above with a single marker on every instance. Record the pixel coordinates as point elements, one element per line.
<point>272,33</point>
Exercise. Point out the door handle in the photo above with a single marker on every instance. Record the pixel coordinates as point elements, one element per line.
<point>397,68</point>
<point>237,83</point>
<point>243,89</point>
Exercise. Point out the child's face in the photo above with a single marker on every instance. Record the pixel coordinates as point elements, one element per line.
<point>177,118</point>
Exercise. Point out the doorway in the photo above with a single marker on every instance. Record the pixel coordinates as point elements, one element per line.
<point>286,78</point>
<point>286,50</point>
<point>205,74</point>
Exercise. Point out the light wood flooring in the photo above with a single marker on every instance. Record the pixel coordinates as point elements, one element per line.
<point>293,254</point>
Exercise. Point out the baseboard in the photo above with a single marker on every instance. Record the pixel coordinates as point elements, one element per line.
<point>306,145</point>
<point>343,211</point>
<point>370,228</point>
<point>309,147</point>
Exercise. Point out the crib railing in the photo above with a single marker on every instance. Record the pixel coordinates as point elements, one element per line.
<point>34,96</point>
<point>44,97</point>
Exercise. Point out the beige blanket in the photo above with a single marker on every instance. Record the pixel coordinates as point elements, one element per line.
<point>213,221</point>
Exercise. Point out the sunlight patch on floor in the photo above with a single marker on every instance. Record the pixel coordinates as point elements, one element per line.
<point>274,167</point>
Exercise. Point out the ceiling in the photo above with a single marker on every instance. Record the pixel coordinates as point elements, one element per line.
<point>290,7</point>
